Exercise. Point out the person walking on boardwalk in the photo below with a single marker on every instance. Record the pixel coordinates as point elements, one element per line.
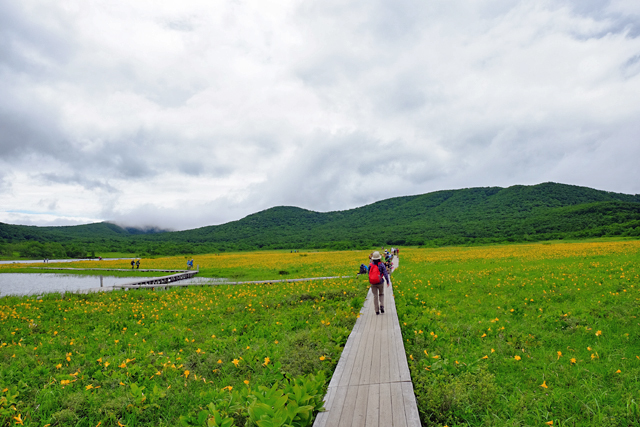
<point>137,264</point>
<point>377,276</point>
<point>132,263</point>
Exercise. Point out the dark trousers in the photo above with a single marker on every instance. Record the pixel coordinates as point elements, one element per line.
<point>378,296</point>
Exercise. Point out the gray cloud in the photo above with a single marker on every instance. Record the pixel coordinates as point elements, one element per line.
<point>76,178</point>
<point>186,114</point>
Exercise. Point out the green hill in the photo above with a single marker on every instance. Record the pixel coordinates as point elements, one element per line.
<point>468,216</point>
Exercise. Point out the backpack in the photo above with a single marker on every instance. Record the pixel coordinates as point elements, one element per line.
<point>375,274</point>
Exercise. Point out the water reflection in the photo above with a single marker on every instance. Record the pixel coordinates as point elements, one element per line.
<point>38,283</point>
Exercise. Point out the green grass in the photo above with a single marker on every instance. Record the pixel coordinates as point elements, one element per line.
<point>160,358</point>
<point>523,335</point>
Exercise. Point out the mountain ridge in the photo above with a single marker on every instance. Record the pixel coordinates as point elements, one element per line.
<point>479,215</point>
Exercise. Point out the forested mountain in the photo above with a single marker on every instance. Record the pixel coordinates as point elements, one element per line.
<point>468,216</point>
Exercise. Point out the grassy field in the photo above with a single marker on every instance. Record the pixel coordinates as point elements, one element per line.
<point>523,335</point>
<point>517,335</point>
<point>234,266</point>
<point>182,356</point>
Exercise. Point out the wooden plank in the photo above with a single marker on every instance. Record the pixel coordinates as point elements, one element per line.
<point>360,410</point>
<point>322,417</point>
<point>373,406</point>
<point>352,356</point>
<point>410,405</point>
<point>385,344</point>
<point>403,366</point>
<point>337,406</point>
<point>367,355</point>
<point>348,408</point>
<point>348,347</point>
<point>394,370</point>
<point>374,372</point>
<point>385,418</point>
<point>357,367</point>
<point>397,405</point>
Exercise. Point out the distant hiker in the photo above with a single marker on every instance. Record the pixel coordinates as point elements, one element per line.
<point>363,270</point>
<point>137,264</point>
<point>132,264</point>
<point>377,275</point>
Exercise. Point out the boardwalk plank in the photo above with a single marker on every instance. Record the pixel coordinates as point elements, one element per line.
<point>360,410</point>
<point>337,407</point>
<point>367,357</point>
<point>410,405</point>
<point>386,415</point>
<point>351,343</point>
<point>348,408</point>
<point>374,371</point>
<point>397,405</point>
<point>373,406</point>
<point>322,417</point>
<point>351,355</point>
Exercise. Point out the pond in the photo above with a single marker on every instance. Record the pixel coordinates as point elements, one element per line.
<point>37,283</point>
<point>40,283</point>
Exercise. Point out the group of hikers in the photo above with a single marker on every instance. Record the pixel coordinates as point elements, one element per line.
<point>378,273</point>
<point>133,262</point>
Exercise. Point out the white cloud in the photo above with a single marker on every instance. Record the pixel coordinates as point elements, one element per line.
<point>184,114</point>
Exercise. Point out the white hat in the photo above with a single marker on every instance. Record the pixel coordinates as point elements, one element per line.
<point>376,255</point>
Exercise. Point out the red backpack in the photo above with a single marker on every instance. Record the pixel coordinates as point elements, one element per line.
<point>375,274</point>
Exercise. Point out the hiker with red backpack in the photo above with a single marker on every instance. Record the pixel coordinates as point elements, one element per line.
<point>377,275</point>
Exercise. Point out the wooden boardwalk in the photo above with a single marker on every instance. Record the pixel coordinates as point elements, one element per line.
<point>371,385</point>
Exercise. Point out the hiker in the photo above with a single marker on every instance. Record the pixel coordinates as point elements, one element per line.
<point>377,276</point>
<point>132,263</point>
<point>363,270</point>
<point>137,264</point>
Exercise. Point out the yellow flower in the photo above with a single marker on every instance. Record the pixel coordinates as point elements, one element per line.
<point>549,423</point>
<point>219,361</point>
<point>485,357</point>
<point>544,384</point>
<point>59,365</point>
<point>598,333</point>
<point>493,351</point>
<point>186,374</point>
<point>18,419</point>
<point>246,382</point>
<point>89,387</point>
<point>99,360</point>
<point>106,364</point>
<point>236,362</point>
<point>618,371</point>
<point>573,360</point>
<point>483,335</point>
<point>410,357</point>
<point>559,355</point>
<point>517,357</point>
<point>64,382</point>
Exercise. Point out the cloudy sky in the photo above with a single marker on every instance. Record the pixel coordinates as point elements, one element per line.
<point>186,113</point>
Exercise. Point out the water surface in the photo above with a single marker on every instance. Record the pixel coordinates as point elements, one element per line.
<point>40,283</point>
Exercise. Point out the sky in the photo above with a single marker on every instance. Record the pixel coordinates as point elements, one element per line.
<point>186,113</point>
